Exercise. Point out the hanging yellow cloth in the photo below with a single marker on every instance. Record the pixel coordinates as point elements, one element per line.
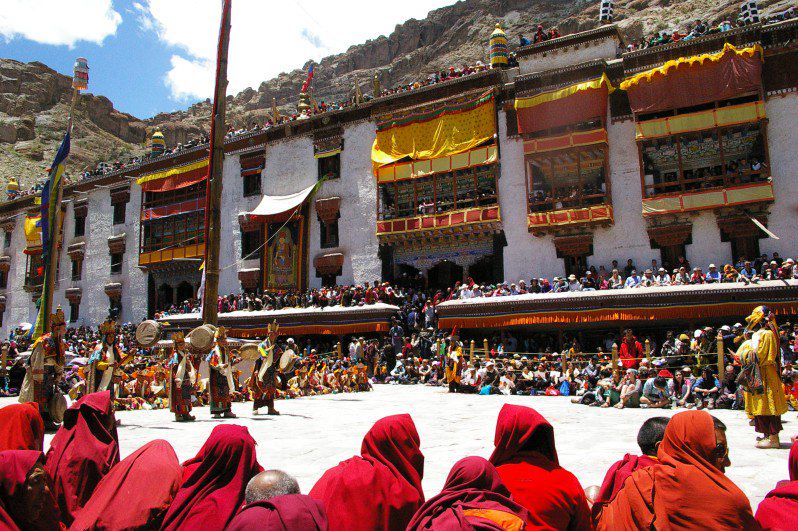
<point>447,131</point>
<point>714,57</point>
<point>545,97</point>
<point>33,232</point>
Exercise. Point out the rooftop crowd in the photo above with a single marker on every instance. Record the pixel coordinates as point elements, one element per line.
<point>81,482</point>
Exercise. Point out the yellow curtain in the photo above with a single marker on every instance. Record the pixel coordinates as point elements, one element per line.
<point>714,57</point>
<point>33,233</point>
<point>701,121</point>
<point>545,97</point>
<point>449,132</point>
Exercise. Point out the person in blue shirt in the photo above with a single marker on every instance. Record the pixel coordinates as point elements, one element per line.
<point>705,389</point>
<point>713,275</point>
<point>633,280</point>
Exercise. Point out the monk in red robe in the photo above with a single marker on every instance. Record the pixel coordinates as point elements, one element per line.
<point>83,450</point>
<point>472,497</point>
<point>779,510</point>
<point>630,351</point>
<point>648,439</point>
<point>136,493</point>
<point>282,513</point>
<point>688,490</point>
<point>26,498</point>
<point>380,488</point>
<point>526,458</point>
<point>214,481</point>
<point>22,427</point>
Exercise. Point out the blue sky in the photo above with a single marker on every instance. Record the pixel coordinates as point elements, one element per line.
<point>150,56</point>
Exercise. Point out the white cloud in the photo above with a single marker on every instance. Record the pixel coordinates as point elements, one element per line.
<point>268,37</point>
<point>58,22</point>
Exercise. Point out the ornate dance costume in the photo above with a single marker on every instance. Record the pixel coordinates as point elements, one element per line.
<point>220,377</point>
<point>182,380</point>
<point>46,369</point>
<point>263,382</point>
<point>103,361</point>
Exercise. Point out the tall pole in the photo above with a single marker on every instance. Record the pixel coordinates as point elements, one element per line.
<point>214,185</point>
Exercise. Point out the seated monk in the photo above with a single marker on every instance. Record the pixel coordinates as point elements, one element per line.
<point>23,427</point>
<point>526,458</point>
<point>688,490</point>
<point>26,498</point>
<point>648,439</point>
<point>473,497</point>
<point>381,488</point>
<point>779,509</point>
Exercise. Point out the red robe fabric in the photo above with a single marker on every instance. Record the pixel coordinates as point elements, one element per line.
<point>136,493</point>
<point>22,427</point>
<point>215,481</point>
<point>83,450</point>
<point>282,513</point>
<point>616,476</point>
<point>526,458</point>
<point>472,494</point>
<point>779,510</point>
<point>389,469</point>
<point>15,465</point>
<point>686,491</point>
<point>628,352</point>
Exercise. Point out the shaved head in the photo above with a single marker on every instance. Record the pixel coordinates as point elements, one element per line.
<point>270,483</point>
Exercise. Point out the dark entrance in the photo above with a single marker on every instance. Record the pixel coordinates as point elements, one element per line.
<point>165,297</point>
<point>444,274</point>
<point>185,291</point>
<point>483,271</point>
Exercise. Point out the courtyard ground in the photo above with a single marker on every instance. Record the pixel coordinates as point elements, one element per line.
<point>313,434</point>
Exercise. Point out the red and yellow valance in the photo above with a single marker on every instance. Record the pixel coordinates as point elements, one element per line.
<point>570,216</point>
<point>439,221</point>
<point>574,104</point>
<point>701,121</point>
<point>745,194</point>
<point>422,168</point>
<point>173,253</point>
<point>689,81</point>
<point>445,131</point>
<point>33,234</point>
<point>174,178</point>
<point>172,210</point>
<point>575,139</point>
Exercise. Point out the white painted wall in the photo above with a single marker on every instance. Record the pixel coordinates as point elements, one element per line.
<point>19,305</point>
<point>560,58</point>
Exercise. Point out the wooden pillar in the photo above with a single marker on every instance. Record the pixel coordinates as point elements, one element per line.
<point>648,349</point>
<point>721,364</point>
<point>471,351</point>
<point>437,350</point>
<point>338,350</point>
<point>485,346</point>
<point>614,358</point>
<point>563,361</point>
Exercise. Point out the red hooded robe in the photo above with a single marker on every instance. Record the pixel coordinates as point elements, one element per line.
<point>526,458</point>
<point>779,510</point>
<point>22,427</point>
<point>381,488</point>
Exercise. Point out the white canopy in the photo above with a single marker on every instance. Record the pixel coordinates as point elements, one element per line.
<point>274,205</point>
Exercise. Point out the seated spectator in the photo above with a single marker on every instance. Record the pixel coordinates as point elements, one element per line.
<point>472,494</point>
<point>655,391</point>
<point>526,458</point>
<point>215,480</point>
<point>693,456</point>
<point>630,390</point>
<point>26,498</point>
<point>389,468</point>
<point>136,493</point>
<point>648,439</point>
<point>697,277</point>
<point>633,280</point>
<point>679,388</point>
<point>730,395</point>
<point>662,278</point>
<point>23,427</point>
<point>705,389</point>
<point>779,509</point>
<point>713,275</point>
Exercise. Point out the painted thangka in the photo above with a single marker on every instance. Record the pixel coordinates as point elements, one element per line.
<point>284,253</point>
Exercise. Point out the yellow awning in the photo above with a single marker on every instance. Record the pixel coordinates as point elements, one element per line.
<point>33,232</point>
<point>714,57</point>
<point>545,97</point>
<point>423,168</point>
<point>446,131</point>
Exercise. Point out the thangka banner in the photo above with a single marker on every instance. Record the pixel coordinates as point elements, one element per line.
<point>431,134</point>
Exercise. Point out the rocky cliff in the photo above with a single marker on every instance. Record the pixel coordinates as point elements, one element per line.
<point>34,99</point>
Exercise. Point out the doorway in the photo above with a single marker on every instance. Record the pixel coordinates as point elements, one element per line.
<point>185,291</point>
<point>443,275</point>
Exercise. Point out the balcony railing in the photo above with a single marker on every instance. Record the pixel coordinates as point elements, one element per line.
<point>570,216</point>
<point>691,201</point>
<point>445,220</point>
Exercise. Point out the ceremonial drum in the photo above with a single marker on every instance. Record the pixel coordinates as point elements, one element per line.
<point>201,339</point>
<point>287,362</point>
<point>148,333</point>
<point>249,351</point>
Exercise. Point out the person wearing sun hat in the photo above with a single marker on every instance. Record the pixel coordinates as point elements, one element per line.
<point>767,406</point>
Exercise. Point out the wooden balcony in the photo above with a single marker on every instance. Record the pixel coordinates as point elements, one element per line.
<point>693,201</point>
<point>539,221</point>
<point>465,221</point>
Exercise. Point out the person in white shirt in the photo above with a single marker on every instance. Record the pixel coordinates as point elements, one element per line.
<point>573,284</point>
<point>663,278</point>
<point>507,384</point>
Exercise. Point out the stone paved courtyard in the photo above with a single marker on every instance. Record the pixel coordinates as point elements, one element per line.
<point>313,434</point>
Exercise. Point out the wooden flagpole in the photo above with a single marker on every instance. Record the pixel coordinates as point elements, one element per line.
<point>214,184</point>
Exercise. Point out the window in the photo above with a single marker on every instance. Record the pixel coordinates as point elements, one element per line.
<point>702,160</point>
<point>669,256</point>
<point>329,234</point>
<point>575,265</point>
<point>119,213</point>
<point>442,192</point>
<point>7,239</point>
<point>252,184</point>
<point>571,178</point>
<point>116,263</point>
<point>74,312</point>
<point>744,248</point>
<point>34,272</point>
<point>77,269</point>
<point>80,223</point>
<point>3,280</point>
<point>173,231</point>
<point>330,167</point>
<point>251,242</point>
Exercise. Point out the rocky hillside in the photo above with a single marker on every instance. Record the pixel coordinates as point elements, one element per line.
<point>34,99</point>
